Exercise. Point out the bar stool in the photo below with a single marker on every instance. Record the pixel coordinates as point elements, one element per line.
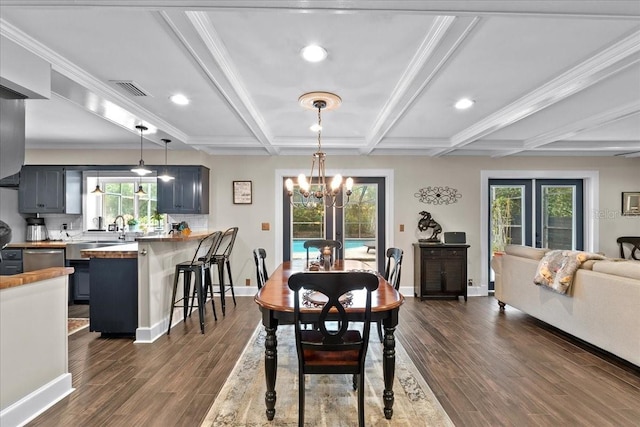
<point>221,260</point>
<point>199,267</point>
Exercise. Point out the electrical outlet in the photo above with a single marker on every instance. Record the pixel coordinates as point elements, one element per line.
<point>247,282</point>
<point>265,226</point>
<point>401,227</point>
<point>64,226</point>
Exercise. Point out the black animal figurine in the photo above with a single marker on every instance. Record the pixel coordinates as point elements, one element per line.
<point>427,222</point>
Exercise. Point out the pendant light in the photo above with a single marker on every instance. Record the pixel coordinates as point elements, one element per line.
<point>141,169</point>
<point>165,175</point>
<point>98,190</point>
<point>140,191</point>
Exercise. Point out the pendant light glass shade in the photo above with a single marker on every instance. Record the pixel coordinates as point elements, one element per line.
<point>165,175</point>
<point>140,191</point>
<point>98,190</point>
<point>141,169</point>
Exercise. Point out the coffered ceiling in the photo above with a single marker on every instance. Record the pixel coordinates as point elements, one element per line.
<point>547,78</point>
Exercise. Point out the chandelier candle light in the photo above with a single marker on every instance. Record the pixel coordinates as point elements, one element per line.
<point>316,186</point>
<point>141,169</point>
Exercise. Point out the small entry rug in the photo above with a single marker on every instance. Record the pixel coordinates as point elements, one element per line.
<point>330,399</point>
<point>76,324</point>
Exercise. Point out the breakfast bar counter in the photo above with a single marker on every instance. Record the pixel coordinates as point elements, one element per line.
<point>134,281</point>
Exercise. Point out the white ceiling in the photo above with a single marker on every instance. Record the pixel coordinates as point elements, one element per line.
<point>548,78</point>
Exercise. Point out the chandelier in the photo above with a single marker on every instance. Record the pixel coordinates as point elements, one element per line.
<point>315,189</point>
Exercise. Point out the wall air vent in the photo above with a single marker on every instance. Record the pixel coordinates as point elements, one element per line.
<point>131,87</point>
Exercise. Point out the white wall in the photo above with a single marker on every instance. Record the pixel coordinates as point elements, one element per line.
<point>410,173</point>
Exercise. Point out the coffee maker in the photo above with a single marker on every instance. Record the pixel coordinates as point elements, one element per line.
<point>36,230</point>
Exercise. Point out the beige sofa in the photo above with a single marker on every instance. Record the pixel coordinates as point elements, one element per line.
<point>602,307</point>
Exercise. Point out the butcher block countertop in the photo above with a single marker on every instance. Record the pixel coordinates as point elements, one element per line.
<point>47,244</point>
<point>118,251</point>
<point>34,276</point>
<point>173,237</point>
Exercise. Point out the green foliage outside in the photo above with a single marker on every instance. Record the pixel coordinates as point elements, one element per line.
<point>119,199</point>
<point>360,215</point>
<point>506,212</point>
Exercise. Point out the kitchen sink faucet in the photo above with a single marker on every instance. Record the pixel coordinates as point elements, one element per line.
<point>120,230</point>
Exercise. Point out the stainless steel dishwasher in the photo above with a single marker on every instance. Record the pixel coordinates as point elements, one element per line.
<point>37,259</point>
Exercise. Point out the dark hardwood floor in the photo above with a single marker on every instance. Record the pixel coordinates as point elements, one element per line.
<point>487,368</point>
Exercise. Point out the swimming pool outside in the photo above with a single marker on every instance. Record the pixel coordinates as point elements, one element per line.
<point>298,244</point>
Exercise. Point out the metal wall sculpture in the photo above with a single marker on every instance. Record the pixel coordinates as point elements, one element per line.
<point>438,195</point>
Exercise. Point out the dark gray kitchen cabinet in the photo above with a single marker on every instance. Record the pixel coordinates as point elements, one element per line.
<point>188,193</point>
<point>79,281</point>
<point>50,189</point>
<point>114,295</point>
<point>440,271</point>
<point>11,262</point>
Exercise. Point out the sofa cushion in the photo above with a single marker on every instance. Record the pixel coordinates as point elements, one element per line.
<point>526,251</point>
<point>630,269</point>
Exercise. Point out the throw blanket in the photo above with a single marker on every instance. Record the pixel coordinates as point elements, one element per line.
<point>558,267</point>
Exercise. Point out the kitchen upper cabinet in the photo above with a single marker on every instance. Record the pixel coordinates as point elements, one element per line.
<point>188,193</point>
<point>50,189</point>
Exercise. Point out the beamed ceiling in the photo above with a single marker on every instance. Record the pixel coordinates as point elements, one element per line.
<point>548,78</point>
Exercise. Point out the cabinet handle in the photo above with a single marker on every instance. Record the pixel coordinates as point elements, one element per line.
<point>143,252</point>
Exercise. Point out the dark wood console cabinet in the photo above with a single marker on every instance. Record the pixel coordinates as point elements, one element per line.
<point>440,271</point>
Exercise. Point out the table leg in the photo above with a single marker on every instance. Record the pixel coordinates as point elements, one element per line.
<point>270,370</point>
<point>389,370</point>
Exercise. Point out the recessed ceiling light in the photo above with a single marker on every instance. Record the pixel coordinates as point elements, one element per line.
<point>314,53</point>
<point>179,99</point>
<point>464,103</point>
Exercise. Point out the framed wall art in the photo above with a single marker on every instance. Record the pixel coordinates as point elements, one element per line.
<point>631,203</point>
<point>242,192</point>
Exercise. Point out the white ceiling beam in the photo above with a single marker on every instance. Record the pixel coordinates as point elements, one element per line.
<point>576,128</point>
<point>221,73</point>
<point>604,64</point>
<point>609,8</point>
<point>87,81</point>
<point>438,46</point>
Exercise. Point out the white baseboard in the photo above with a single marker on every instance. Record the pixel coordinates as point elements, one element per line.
<point>36,402</point>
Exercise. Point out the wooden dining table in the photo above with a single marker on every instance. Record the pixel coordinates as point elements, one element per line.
<point>276,303</point>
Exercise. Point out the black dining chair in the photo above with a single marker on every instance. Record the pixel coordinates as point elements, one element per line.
<point>634,246</point>
<point>319,244</point>
<point>332,348</point>
<point>260,256</point>
<point>392,275</point>
<point>199,267</point>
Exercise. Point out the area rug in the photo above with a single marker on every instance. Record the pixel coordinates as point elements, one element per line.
<point>330,399</point>
<point>76,324</point>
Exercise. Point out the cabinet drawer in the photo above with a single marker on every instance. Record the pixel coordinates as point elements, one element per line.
<point>453,253</point>
<point>9,268</point>
<point>11,254</point>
